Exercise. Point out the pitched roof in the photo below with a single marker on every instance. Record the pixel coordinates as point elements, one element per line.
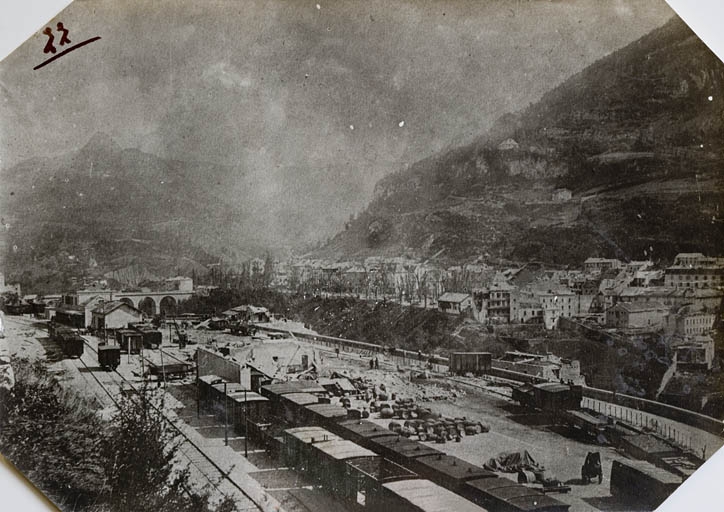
<point>640,307</point>
<point>453,297</point>
<point>107,307</point>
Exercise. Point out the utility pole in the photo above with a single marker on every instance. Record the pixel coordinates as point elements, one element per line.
<point>198,391</point>
<point>246,425</point>
<point>143,368</point>
<point>163,368</point>
<point>226,419</point>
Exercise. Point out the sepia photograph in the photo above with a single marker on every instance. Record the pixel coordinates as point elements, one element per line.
<point>380,255</point>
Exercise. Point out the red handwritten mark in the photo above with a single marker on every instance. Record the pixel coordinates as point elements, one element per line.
<point>66,51</point>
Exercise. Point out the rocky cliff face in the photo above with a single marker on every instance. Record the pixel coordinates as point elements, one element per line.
<point>638,137</point>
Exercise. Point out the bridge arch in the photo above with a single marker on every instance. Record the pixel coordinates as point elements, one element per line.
<point>128,301</point>
<point>148,306</point>
<point>168,306</point>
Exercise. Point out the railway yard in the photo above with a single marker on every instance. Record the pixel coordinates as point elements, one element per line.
<point>260,462</point>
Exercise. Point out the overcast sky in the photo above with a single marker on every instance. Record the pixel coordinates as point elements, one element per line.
<point>312,101</point>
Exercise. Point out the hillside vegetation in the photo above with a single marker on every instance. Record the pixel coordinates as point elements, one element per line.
<point>638,138</point>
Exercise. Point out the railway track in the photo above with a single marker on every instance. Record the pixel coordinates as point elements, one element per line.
<point>210,471</point>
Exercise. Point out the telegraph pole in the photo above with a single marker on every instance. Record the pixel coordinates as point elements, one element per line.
<point>246,425</point>
<point>226,419</point>
<point>163,368</point>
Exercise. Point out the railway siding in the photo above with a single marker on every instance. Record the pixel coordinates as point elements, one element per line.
<point>405,358</point>
<point>216,463</point>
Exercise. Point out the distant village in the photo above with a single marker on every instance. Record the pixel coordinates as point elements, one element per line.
<point>681,301</point>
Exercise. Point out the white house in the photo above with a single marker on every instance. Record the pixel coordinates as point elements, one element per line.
<point>115,315</point>
<point>454,303</point>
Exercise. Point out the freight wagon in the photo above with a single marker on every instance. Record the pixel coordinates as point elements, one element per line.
<point>169,370</point>
<point>422,496</point>
<point>586,421</point>
<point>152,338</point>
<point>130,340</point>
<point>366,475</point>
<point>109,356</point>
<point>70,342</point>
<point>357,475</point>
<point>248,412</point>
<point>503,495</point>
<point>639,483</point>
<point>549,397</point>
<point>477,363</point>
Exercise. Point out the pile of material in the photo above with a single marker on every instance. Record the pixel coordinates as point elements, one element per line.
<point>513,462</point>
<point>433,427</point>
<point>382,382</point>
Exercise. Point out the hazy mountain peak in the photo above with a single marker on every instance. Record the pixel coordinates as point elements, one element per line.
<point>101,141</point>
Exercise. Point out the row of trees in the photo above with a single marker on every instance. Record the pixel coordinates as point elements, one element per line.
<point>416,285</point>
<point>56,437</point>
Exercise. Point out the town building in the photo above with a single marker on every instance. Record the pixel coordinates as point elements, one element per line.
<point>545,366</point>
<point>600,264</point>
<point>697,298</point>
<point>648,278</point>
<point>694,354</point>
<point>626,315</point>
<point>561,195</point>
<point>114,315</point>
<point>508,145</point>
<point>686,322</point>
<point>455,303</point>
<point>695,276</point>
<point>529,313</point>
<point>9,288</point>
<point>248,313</point>
<point>502,302</point>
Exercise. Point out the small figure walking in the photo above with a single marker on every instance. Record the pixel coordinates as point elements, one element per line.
<point>64,38</point>
<point>49,48</point>
<point>377,364</point>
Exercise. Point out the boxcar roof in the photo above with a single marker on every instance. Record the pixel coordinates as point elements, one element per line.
<point>328,410</point>
<point>307,434</point>
<point>588,418</point>
<point>381,469</point>
<point>129,332</point>
<point>652,471</point>
<point>342,449</point>
<point>238,396</point>
<point>302,398</point>
<point>344,384</point>
<point>210,379</point>
<point>404,446</point>
<point>649,443</point>
<point>430,497</point>
<point>231,387</point>
<point>492,483</point>
<point>294,386</point>
<point>454,468</point>
<point>366,429</point>
<point>552,387</point>
<point>518,496</point>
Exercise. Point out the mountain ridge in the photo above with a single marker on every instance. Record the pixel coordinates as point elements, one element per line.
<point>616,134</point>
